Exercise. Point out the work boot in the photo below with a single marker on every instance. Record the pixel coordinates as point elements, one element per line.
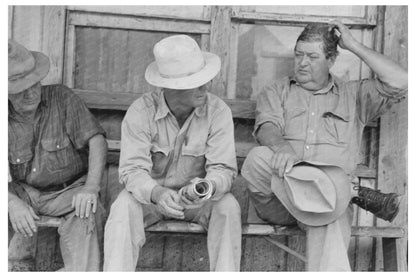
<point>382,205</point>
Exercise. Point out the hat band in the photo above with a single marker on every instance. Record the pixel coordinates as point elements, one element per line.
<point>21,75</point>
<point>182,74</point>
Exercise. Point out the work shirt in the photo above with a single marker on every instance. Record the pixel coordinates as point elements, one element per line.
<point>325,125</point>
<point>53,149</point>
<point>156,151</point>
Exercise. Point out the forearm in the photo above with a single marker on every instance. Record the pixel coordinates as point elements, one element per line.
<point>387,70</point>
<point>96,161</point>
<point>222,179</point>
<point>271,136</point>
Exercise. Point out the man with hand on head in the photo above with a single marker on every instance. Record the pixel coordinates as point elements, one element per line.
<point>174,142</point>
<point>57,154</point>
<point>315,118</point>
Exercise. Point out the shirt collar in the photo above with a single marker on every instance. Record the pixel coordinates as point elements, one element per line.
<point>162,109</point>
<point>332,85</point>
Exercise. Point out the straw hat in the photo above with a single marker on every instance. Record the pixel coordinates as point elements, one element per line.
<point>26,68</point>
<point>180,64</point>
<point>316,194</point>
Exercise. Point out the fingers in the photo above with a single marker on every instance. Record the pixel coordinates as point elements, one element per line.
<point>34,215</point>
<point>174,213</point>
<point>173,204</point>
<point>282,163</point>
<point>31,224</point>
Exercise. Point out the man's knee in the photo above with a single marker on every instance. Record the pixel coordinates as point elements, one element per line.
<point>124,207</point>
<point>228,205</point>
<point>258,155</point>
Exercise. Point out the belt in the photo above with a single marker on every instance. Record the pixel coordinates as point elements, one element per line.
<point>58,187</point>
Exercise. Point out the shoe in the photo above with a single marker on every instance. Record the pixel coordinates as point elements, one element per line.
<point>382,205</point>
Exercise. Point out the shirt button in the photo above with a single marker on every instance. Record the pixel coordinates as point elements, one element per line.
<point>307,146</point>
<point>34,170</point>
<point>312,113</point>
<point>311,131</point>
<point>57,146</point>
<point>18,160</point>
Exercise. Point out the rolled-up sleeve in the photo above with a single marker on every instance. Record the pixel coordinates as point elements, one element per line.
<point>135,158</point>
<point>375,97</point>
<point>221,164</point>
<point>269,107</point>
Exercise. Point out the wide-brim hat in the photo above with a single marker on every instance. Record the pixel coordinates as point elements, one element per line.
<point>314,193</point>
<point>26,68</point>
<point>180,64</point>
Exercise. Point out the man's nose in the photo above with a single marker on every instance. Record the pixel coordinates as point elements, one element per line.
<point>30,93</point>
<point>304,61</point>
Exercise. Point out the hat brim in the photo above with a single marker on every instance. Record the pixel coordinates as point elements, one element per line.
<point>41,70</point>
<point>206,74</point>
<point>343,192</point>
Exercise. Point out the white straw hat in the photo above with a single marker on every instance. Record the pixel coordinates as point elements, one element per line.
<point>180,64</point>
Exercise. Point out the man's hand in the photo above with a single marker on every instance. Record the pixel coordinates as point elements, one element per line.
<point>167,202</point>
<point>22,217</point>
<point>346,40</point>
<point>85,201</point>
<point>283,159</point>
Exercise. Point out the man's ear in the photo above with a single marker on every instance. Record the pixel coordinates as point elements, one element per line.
<point>331,62</point>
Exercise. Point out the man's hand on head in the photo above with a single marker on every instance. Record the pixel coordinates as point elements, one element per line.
<point>167,201</point>
<point>22,217</point>
<point>346,40</point>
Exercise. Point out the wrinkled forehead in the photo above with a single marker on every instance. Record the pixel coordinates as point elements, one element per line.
<point>309,47</point>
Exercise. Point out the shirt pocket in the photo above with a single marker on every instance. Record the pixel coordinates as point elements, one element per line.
<point>19,163</point>
<point>193,160</point>
<point>160,159</point>
<point>295,122</point>
<point>336,127</point>
<point>57,153</point>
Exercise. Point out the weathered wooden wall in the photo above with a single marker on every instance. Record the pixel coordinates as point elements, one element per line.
<point>102,52</point>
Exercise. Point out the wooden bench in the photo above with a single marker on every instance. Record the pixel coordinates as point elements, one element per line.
<point>389,235</point>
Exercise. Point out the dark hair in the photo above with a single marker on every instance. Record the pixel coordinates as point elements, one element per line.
<point>321,32</point>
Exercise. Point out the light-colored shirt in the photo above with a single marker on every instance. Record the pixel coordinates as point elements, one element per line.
<point>326,125</point>
<point>156,151</point>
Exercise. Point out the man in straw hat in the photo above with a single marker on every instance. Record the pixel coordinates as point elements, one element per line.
<point>314,117</point>
<point>168,138</point>
<point>56,158</point>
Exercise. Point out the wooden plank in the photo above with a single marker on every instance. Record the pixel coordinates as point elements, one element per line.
<point>242,149</point>
<point>297,244</point>
<point>220,45</point>
<point>137,23</point>
<point>233,62</point>
<point>289,19</point>
<point>69,60</point>
<point>390,252</point>
<point>371,14</point>
<point>166,11</point>
<point>265,229</point>
<point>364,247</point>
<point>27,26</point>
<point>122,101</point>
<point>392,162</point>
<point>10,21</point>
<point>53,42</point>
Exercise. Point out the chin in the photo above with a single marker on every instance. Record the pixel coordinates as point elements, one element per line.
<point>302,78</point>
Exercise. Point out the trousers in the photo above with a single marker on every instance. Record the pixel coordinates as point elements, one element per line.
<point>327,246</point>
<point>80,238</point>
<point>125,231</point>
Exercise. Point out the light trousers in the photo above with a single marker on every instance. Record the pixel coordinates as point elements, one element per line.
<point>125,231</point>
<point>327,246</point>
<point>80,238</point>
